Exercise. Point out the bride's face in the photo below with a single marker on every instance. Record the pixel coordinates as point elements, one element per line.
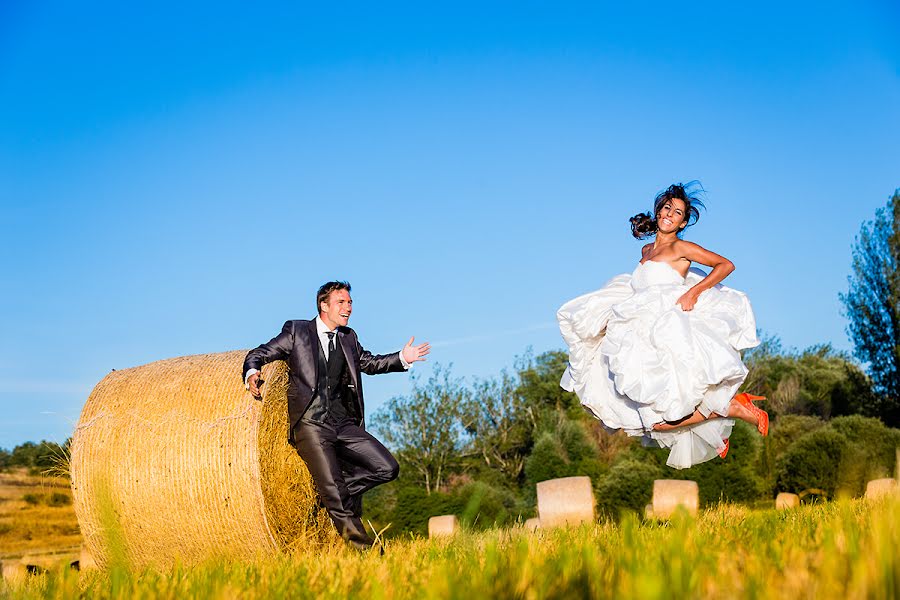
<point>671,217</point>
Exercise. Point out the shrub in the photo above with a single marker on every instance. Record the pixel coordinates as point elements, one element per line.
<point>59,499</point>
<point>548,460</point>
<point>482,505</point>
<point>812,462</point>
<point>871,451</point>
<point>787,429</point>
<point>627,486</point>
<point>566,450</point>
<point>33,499</point>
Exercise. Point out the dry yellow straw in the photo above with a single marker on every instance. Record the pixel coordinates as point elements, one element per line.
<point>175,461</point>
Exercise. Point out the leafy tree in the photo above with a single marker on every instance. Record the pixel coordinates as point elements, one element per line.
<point>424,427</point>
<point>872,304</point>
<point>817,381</point>
<point>539,383</point>
<point>500,424</point>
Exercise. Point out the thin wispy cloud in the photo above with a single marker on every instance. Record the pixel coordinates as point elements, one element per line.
<point>45,387</point>
<point>493,335</point>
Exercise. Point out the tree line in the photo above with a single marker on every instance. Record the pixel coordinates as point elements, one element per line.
<point>39,456</point>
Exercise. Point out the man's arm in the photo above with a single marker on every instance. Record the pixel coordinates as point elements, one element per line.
<point>374,364</point>
<point>278,348</point>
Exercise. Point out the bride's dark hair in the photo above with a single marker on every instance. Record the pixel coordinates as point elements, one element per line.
<point>643,225</point>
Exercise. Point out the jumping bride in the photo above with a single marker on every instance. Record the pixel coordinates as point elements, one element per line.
<point>657,352</point>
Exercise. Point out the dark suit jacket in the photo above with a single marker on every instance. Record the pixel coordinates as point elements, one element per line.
<point>298,344</point>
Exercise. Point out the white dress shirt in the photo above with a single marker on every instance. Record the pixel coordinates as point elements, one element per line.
<point>322,330</point>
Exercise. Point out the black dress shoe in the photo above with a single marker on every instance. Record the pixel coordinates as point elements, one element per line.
<point>366,546</point>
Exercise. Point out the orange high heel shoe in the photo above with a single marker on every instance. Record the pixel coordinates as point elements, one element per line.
<point>762,417</point>
<point>724,451</point>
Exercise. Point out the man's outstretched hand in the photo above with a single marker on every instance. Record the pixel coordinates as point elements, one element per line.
<point>412,353</point>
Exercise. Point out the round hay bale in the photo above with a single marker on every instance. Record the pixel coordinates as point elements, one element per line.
<point>784,501</point>
<point>669,494</point>
<point>532,524</point>
<point>565,501</point>
<point>175,461</point>
<point>445,525</point>
<point>880,487</point>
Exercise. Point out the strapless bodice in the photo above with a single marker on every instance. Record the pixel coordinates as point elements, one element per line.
<point>651,272</point>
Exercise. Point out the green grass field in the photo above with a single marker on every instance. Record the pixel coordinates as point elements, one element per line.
<point>844,549</point>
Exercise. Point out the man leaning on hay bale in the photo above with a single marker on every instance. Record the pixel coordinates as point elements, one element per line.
<point>325,405</point>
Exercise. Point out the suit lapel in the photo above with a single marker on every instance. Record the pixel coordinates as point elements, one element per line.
<point>313,352</point>
<point>352,363</point>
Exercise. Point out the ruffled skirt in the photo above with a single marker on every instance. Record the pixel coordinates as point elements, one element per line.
<point>637,359</point>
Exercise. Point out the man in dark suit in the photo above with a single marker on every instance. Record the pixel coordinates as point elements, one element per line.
<point>325,405</point>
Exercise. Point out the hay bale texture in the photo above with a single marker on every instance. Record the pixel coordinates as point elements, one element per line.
<point>785,501</point>
<point>671,494</point>
<point>880,487</point>
<point>565,501</point>
<point>175,462</point>
<point>445,525</point>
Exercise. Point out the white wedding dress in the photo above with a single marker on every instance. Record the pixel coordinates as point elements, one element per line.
<point>637,359</point>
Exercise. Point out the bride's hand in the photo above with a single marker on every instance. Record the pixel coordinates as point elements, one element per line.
<point>687,300</point>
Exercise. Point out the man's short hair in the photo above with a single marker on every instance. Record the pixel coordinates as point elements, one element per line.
<point>326,289</point>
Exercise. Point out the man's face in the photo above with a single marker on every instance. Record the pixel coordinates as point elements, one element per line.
<point>335,311</point>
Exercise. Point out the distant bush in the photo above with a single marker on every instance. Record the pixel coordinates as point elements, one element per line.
<point>548,460</point>
<point>565,451</point>
<point>482,505</point>
<point>33,499</point>
<point>787,429</point>
<point>59,499</point>
<point>812,462</point>
<point>871,451</point>
<point>627,486</point>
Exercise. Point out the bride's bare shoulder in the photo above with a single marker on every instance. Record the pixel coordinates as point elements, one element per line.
<point>684,247</point>
<point>646,249</point>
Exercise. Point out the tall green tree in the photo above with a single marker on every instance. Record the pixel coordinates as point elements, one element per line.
<point>424,427</point>
<point>872,304</point>
<point>500,424</point>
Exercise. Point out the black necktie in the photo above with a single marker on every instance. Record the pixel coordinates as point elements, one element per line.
<point>330,335</point>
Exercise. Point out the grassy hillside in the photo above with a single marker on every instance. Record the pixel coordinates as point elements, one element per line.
<point>36,514</point>
<point>841,550</point>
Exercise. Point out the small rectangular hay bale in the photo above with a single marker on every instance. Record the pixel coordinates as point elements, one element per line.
<point>784,501</point>
<point>445,525</point>
<point>669,494</point>
<point>13,570</point>
<point>86,562</point>
<point>565,501</point>
<point>880,487</point>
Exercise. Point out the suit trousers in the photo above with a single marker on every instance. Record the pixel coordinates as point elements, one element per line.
<point>345,461</point>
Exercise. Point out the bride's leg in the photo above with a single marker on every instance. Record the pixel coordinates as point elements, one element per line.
<point>693,419</point>
<point>736,410</point>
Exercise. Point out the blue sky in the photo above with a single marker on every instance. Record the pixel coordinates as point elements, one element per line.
<point>179,180</point>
